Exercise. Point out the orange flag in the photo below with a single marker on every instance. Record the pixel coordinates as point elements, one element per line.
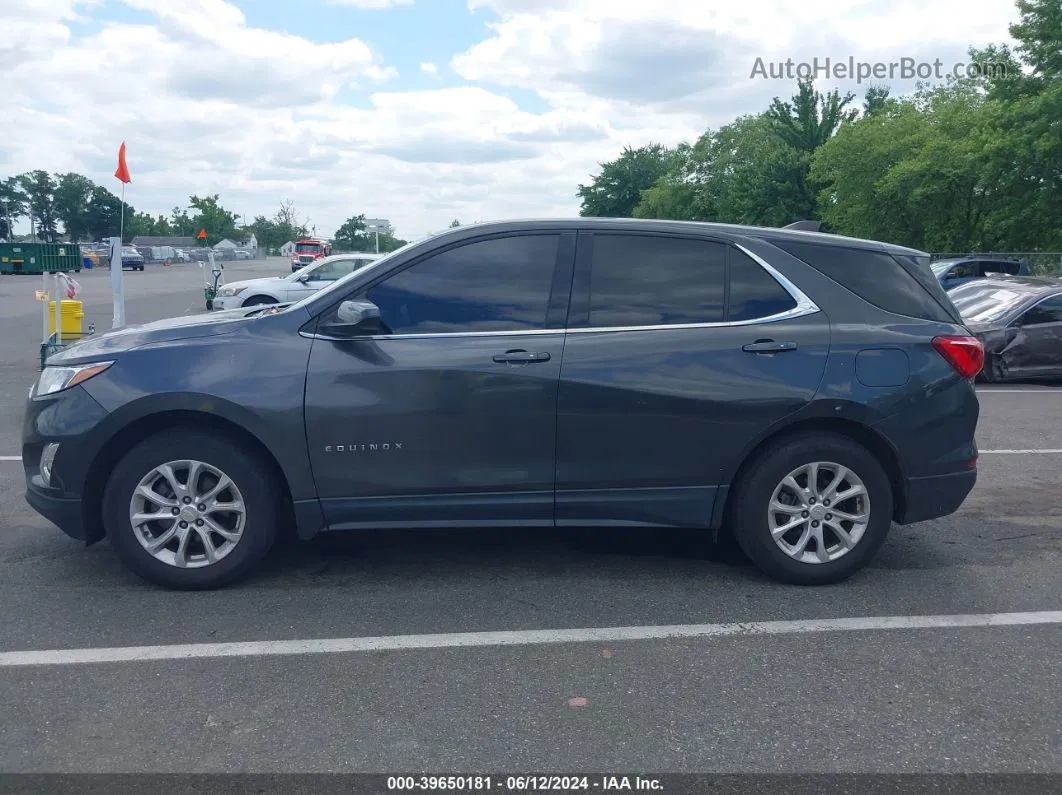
<point>123,170</point>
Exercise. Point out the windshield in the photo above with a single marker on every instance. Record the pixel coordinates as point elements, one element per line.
<point>941,267</point>
<point>986,305</point>
<point>307,247</point>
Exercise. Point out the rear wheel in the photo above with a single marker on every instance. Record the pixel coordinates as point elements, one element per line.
<point>813,510</point>
<point>191,511</point>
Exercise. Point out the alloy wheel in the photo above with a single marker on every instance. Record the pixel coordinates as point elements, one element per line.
<point>187,514</point>
<point>819,512</point>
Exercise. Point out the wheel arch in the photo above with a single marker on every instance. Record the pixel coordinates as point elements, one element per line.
<point>102,464</point>
<point>851,428</point>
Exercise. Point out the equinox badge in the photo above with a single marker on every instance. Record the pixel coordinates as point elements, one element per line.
<point>364,448</point>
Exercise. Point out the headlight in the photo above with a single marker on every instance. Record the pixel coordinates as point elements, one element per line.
<point>57,378</point>
<point>226,292</point>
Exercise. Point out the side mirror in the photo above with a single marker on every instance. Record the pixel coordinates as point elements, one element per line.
<point>304,278</point>
<point>357,317</point>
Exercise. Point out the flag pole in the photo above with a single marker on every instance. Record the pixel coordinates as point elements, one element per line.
<point>121,224</point>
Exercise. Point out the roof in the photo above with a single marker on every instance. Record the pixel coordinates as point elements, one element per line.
<point>1031,285</point>
<point>145,240</point>
<point>770,234</point>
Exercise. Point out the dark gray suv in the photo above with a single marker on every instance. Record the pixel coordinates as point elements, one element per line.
<point>799,390</point>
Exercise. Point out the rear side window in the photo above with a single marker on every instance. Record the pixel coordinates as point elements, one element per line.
<point>645,280</point>
<point>875,277</point>
<point>754,293</point>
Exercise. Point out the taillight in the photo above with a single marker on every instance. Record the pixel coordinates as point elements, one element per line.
<point>965,354</point>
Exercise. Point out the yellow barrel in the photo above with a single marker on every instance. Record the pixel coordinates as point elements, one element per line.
<point>72,313</point>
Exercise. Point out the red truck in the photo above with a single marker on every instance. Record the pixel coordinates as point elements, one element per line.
<point>308,251</point>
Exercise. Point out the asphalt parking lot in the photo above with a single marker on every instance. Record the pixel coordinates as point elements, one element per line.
<point>544,682</point>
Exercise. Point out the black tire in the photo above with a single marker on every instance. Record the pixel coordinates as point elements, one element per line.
<point>259,300</point>
<point>247,471</point>
<point>749,514</point>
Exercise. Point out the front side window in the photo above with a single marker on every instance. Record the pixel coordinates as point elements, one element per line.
<point>645,280</point>
<point>501,284</point>
<point>1047,311</point>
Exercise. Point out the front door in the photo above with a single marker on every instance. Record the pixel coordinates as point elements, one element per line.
<point>1038,345</point>
<point>669,374</point>
<point>449,415</point>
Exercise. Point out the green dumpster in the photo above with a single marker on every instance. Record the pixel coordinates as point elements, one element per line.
<point>38,258</point>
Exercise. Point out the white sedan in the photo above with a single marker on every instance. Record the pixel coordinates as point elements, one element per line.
<point>293,287</point>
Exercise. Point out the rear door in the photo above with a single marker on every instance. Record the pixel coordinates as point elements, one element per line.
<point>679,352</point>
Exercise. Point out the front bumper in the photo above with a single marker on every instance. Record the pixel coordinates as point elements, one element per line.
<point>64,512</point>
<point>221,303</point>
<point>72,419</point>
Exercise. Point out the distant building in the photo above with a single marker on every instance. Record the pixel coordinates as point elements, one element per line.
<point>177,242</point>
<point>226,243</point>
<point>287,249</point>
<point>381,225</point>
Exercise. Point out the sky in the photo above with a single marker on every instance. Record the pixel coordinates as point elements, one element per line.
<point>419,111</point>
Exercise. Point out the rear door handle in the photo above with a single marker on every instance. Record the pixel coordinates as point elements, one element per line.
<point>521,357</point>
<point>769,346</point>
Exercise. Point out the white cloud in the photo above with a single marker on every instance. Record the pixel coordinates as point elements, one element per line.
<point>221,106</point>
<point>371,5</point>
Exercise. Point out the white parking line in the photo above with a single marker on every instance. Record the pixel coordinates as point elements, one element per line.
<point>457,640</point>
<point>1020,452</point>
<point>10,458</point>
<point>1019,391</point>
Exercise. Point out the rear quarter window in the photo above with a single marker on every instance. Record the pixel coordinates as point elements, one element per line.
<point>878,279</point>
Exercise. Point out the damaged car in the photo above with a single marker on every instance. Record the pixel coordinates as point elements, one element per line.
<point>1019,323</point>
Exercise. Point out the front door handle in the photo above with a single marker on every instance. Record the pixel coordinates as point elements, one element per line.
<point>521,357</point>
<point>769,346</point>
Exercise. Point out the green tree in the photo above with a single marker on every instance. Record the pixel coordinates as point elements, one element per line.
<point>72,194</point>
<point>39,188</point>
<point>350,234</point>
<point>1039,36</point>
<point>617,189</point>
<point>218,222</point>
<point>876,99</point>
<point>741,173</point>
<point>454,224</point>
<point>13,204</point>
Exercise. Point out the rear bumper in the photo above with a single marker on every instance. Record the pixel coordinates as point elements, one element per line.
<point>936,496</point>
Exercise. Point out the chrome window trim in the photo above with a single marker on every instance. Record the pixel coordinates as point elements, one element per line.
<point>804,306</point>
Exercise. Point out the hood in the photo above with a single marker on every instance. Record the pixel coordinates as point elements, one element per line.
<point>267,283</point>
<point>101,346</point>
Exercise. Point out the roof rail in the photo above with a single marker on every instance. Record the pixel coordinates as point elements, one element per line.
<point>805,226</point>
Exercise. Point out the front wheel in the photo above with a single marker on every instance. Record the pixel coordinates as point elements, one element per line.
<point>814,510</point>
<point>191,511</point>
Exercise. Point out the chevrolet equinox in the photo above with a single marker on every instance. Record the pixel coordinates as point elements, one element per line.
<point>797,389</point>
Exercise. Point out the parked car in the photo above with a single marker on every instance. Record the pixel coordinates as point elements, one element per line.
<point>132,259</point>
<point>292,287</point>
<point>1019,323</point>
<point>242,254</point>
<point>799,390</point>
<point>952,273</point>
